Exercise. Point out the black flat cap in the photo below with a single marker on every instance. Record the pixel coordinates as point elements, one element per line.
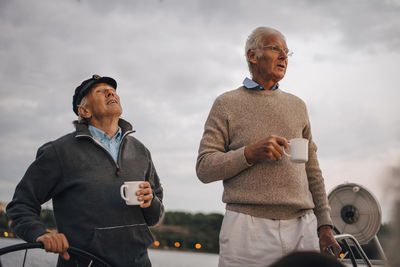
<point>85,87</point>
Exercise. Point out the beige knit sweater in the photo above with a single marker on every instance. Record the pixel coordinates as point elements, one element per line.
<point>268,189</point>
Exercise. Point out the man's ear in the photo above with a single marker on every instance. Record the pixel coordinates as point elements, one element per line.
<point>84,112</point>
<point>251,56</point>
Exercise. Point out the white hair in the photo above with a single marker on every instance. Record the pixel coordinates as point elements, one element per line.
<point>255,41</point>
<point>83,103</point>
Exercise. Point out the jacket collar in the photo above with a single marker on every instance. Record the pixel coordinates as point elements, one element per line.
<point>82,128</point>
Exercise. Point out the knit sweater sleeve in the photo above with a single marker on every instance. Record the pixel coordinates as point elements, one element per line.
<point>215,160</point>
<point>316,181</point>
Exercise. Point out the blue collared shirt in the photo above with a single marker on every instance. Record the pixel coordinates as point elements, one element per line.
<point>111,144</point>
<point>250,84</point>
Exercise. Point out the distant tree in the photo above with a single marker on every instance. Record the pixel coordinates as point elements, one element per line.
<point>394,242</point>
<point>3,222</point>
<point>190,229</point>
<point>47,217</point>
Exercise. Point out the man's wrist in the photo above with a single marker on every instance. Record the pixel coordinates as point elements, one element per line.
<point>248,156</point>
<point>325,228</point>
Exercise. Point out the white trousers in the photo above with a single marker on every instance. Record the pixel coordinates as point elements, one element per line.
<point>250,241</point>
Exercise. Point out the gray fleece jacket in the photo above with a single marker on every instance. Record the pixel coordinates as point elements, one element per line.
<point>83,181</point>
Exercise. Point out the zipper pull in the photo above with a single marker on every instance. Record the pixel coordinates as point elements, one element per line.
<point>118,172</point>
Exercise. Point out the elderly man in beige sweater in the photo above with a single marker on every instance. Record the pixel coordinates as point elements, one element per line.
<point>273,206</point>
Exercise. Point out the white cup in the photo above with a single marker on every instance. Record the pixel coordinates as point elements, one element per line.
<point>298,150</point>
<point>128,192</point>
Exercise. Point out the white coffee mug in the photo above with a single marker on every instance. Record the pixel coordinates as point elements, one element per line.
<point>298,150</point>
<point>128,192</point>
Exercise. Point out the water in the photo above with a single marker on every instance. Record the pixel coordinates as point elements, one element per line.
<point>159,258</point>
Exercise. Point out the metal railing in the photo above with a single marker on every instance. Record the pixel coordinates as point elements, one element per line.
<point>76,253</point>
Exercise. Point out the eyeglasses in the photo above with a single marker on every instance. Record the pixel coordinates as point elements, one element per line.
<point>279,50</point>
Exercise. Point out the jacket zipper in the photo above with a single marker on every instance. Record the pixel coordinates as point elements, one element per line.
<point>118,171</point>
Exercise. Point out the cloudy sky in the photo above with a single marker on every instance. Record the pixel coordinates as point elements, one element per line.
<point>172,58</point>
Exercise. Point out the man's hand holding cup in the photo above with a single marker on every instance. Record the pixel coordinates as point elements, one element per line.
<point>137,193</point>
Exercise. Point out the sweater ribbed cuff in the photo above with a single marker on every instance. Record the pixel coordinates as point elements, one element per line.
<point>32,233</point>
<point>323,219</point>
<point>241,158</point>
<point>154,213</point>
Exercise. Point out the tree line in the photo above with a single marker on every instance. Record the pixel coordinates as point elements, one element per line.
<point>189,230</point>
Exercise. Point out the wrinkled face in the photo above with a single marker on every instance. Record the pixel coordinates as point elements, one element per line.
<point>102,101</point>
<point>270,64</point>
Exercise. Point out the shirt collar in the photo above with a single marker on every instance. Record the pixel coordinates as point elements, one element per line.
<point>99,134</point>
<point>252,85</point>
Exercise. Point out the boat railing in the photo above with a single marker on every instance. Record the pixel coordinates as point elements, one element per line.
<point>357,245</point>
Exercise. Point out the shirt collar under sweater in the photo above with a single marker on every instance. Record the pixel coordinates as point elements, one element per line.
<point>83,130</point>
<point>111,144</point>
<point>125,128</point>
<point>252,85</point>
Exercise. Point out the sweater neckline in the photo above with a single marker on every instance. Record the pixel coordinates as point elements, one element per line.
<point>263,92</point>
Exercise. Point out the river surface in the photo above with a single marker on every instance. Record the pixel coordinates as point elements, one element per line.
<point>159,258</point>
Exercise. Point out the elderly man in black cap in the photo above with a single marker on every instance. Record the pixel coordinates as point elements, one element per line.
<point>82,173</point>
